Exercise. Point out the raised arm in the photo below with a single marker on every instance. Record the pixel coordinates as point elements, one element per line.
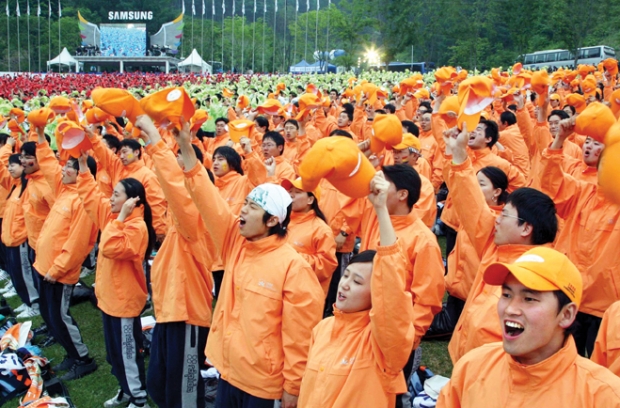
<point>106,157</point>
<point>6,181</point>
<point>125,241</point>
<point>49,165</point>
<point>96,205</point>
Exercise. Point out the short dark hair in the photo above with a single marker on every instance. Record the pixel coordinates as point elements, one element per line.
<point>407,178</point>
<point>571,107</point>
<point>538,210</point>
<point>232,158</point>
<point>388,107</point>
<point>29,148</point>
<point>90,162</point>
<point>3,138</point>
<point>411,127</point>
<point>262,121</point>
<point>199,156</point>
<point>225,120</point>
<point>112,141</point>
<point>427,105</point>
<point>277,138</point>
<point>499,180</point>
<point>279,229</point>
<point>340,132</point>
<point>292,122</point>
<point>348,107</point>
<point>560,113</point>
<point>133,145</point>
<point>363,257</point>
<point>508,118</point>
<point>491,131</point>
<point>348,113</point>
<point>512,107</point>
<point>334,90</point>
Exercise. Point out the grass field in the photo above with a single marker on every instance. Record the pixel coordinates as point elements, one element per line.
<point>93,390</point>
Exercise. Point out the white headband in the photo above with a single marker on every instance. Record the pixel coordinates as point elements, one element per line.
<point>272,198</point>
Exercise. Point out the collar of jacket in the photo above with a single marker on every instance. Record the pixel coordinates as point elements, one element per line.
<point>227,178</point>
<point>263,246</point>
<point>547,372</point>
<point>349,322</point>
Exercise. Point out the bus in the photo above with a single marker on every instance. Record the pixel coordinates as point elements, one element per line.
<point>554,59</point>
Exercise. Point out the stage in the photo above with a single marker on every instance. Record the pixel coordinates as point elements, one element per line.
<point>127,63</point>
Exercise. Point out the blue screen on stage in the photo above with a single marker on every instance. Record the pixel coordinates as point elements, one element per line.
<point>123,40</point>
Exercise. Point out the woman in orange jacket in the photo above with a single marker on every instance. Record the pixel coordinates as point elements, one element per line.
<point>271,298</point>
<point>309,233</point>
<point>372,322</point>
<point>127,238</point>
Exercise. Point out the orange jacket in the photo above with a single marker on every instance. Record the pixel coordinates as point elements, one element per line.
<point>356,359</point>
<point>607,347</point>
<point>426,207</point>
<point>430,151</point>
<point>478,323</point>
<point>590,234</point>
<point>270,301</point>
<point>181,273</point>
<point>68,234</point>
<point>117,171</point>
<point>512,139</point>
<point>294,152</point>
<point>120,283</point>
<point>425,273</point>
<point>361,126</point>
<point>490,377</point>
<point>332,201</point>
<point>423,168</point>
<point>580,170</point>
<point>312,238</point>
<point>38,200</point>
<point>14,226</point>
<point>325,124</point>
<point>258,172</point>
<point>463,263</point>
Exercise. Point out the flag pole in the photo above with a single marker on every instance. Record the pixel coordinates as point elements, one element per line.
<point>232,37</point>
<point>39,31</point>
<point>242,35</point>
<point>316,32</point>
<point>8,37</point>
<point>49,30</point>
<point>253,35</point>
<point>28,25</point>
<point>275,15</point>
<point>19,59</point>
<point>59,16</point>
<point>202,31</point>
<point>212,32</point>
<point>264,25</point>
<point>296,29</point>
<point>284,39</point>
<point>307,17</point>
<point>223,15</point>
<point>193,12</point>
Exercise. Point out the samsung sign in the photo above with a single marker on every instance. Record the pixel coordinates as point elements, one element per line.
<point>130,15</point>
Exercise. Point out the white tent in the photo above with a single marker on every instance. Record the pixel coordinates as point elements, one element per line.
<point>64,59</point>
<point>195,63</point>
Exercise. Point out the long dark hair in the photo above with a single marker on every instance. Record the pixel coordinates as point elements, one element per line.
<point>498,179</point>
<point>15,159</point>
<point>315,207</point>
<point>133,188</point>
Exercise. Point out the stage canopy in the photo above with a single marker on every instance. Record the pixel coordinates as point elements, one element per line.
<point>194,63</point>
<point>64,59</point>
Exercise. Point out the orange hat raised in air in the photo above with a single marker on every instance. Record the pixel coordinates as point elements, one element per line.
<point>338,160</point>
<point>474,95</point>
<point>240,128</point>
<point>307,102</point>
<point>386,129</point>
<point>74,139</point>
<point>200,117</point>
<point>595,121</point>
<point>41,117</point>
<point>19,115</point>
<point>540,84</point>
<point>576,101</point>
<point>227,93</point>
<point>243,102</point>
<point>60,105</point>
<point>449,110</point>
<point>168,106</point>
<point>270,107</point>
<point>97,115</point>
<point>15,128</point>
<point>611,66</point>
<point>588,86</point>
<point>541,269</point>
<point>117,102</point>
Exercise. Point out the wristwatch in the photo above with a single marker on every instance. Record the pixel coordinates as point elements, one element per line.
<point>344,234</point>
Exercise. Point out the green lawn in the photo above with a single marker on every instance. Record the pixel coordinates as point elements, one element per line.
<point>93,390</point>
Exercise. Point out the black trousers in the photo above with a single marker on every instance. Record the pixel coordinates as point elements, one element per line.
<point>19,268</point>
<point>125,353</point>
<point>229,396</point>
<point>54,299</point>
<point>177,356</point>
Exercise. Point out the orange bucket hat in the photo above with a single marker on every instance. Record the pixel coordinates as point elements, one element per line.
<point>227,93</point>
<point>588,86</point>
<point>167,106</point>
<point>41,117</point>
<point>614,101</point>
<point>117,102</point>
<point>338,160</point>
<point>475,94</point>
<point>595,120</point>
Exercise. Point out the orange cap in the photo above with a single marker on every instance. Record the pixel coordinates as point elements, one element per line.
<point>576,101</point>
<point>74,139</point>
<point>288,185</point>
<point>227,93</point>
<point>609,167</point>
<point>60,104</point>
<point>19,114</point>
<point>200,117</point>
<point>409,141</point>
<point>15,128</point>
<point>474,95</point>
<point>306,102</point>
<point>516,68</point>
<point>611,66</point>
<point>540,83</point>
<point>168,106</point>
<point>541,269</point>
<point>97,115</point>
<point>86,105</point>
<point>117,102</point>
<point>449,110</point>
<point>584,70</point>
<point>41,117</point>
<point>311,88</point>
<point>386,129</point>
<point>240,128</point>
<point>595,121</point>
<point>614,101</point>
<point>243,102</point>
<point>270,107</point>
<point>588,86</point>
<point>339,160</point>
<point>132,130</point>
<point>555,97</point>
<point>422,93</point>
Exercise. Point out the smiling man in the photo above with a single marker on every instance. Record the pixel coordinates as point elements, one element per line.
<point>537,362</point>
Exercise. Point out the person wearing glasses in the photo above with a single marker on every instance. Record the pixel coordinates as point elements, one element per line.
<point>272,167</point>
<point>528,219</point>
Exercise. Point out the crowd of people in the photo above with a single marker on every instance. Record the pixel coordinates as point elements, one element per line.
<point>123,41</point>
<point>296,245</point>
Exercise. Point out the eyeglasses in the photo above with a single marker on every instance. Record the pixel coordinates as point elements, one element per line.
<point>26,157</point>
<point>504,215</point>
<point>268,145</point>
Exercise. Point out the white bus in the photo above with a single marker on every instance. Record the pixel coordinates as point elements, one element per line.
<point>564,58</point>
